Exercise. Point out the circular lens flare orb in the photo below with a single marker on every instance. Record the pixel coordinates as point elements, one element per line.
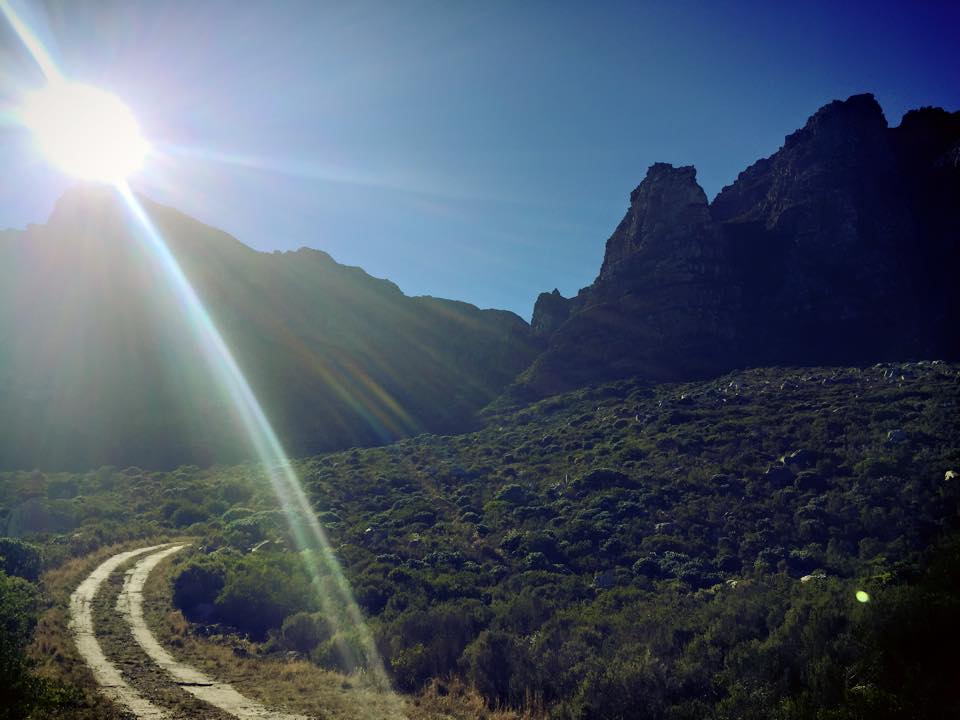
<point>85,132</point>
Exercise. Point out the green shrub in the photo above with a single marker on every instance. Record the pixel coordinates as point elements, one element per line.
<point>344,652</point>
<point>495,665</point>
<point>260,591</point>
<point>20,559</point>
<point>876,467</point>
<point>303,631</point>
<point>426,643</point>
<point>187,514</point>
<point>412,667</point>
<point>197,585</point>
<point>19,690</point>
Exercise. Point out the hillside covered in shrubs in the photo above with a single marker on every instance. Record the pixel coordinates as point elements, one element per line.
<point>771,543</point>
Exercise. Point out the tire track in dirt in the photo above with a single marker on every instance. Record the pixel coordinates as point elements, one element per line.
<point>135,665</point>
<point>81,627</point>
<point>219,694</point>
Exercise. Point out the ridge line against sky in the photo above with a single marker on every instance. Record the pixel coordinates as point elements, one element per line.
<point>476,151</point>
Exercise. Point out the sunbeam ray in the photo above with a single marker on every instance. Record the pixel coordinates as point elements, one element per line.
<point>306,529</point>
<point>31,42</point>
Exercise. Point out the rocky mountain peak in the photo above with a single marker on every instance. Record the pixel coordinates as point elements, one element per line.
<point>662,304</point>
<point>550,311</point>
<point>929,136</point>
<point>857,110</point>
<point>827,168</point>
<point>663,175</point>
<point>669,217</point>
<point>836,125</point>
<point>931,119</point>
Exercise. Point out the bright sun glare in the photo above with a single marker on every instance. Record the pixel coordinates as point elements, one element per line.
<point>85,132</point>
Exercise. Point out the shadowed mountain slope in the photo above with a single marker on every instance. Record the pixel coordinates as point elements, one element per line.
<point>99,364</point>
<point>838,248</point>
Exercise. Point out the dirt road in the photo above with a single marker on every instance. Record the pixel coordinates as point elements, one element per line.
<point>130,606</point>
<point>81,625</point>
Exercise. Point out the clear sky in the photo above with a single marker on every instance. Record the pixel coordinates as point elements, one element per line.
<point>482,151</point>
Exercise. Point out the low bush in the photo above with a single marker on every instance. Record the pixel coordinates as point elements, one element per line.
<point>303,631</point>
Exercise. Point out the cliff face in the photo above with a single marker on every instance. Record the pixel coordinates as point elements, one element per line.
<point>667,231</point>
<point>663,300</point>
<point>841,239</point>
<point>837,248</point>
<point>829,247</point>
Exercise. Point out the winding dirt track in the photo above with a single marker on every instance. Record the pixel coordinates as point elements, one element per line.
<point>81,625</point>
<point>130,606</point>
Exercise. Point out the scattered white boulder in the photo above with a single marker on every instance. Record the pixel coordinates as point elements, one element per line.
<point>897,436</point>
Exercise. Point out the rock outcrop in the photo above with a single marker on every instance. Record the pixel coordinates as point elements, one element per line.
<point>550,311</point>
<point>663,300</point>
<point>838,248</point>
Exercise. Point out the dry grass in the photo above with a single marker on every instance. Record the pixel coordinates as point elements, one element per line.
<point>454,699</point>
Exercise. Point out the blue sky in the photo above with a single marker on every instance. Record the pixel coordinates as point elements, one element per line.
<point>482,151</point>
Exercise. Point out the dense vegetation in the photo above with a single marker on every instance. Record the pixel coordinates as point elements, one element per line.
<point>20,565</point>
<point>622,551</point>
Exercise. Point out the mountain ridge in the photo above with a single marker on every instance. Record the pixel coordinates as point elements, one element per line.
<point>98,352</point>
<point>831,250</point>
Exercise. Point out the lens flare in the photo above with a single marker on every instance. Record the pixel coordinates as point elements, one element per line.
<point>333,589</point>
<point>863,596</point>
<point>84,132</point>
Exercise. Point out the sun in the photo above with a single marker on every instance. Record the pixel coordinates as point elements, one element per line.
<point>84,131</point>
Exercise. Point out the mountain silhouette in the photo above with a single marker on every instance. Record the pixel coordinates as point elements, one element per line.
<point>99,364</point>
<point>837,249</point>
